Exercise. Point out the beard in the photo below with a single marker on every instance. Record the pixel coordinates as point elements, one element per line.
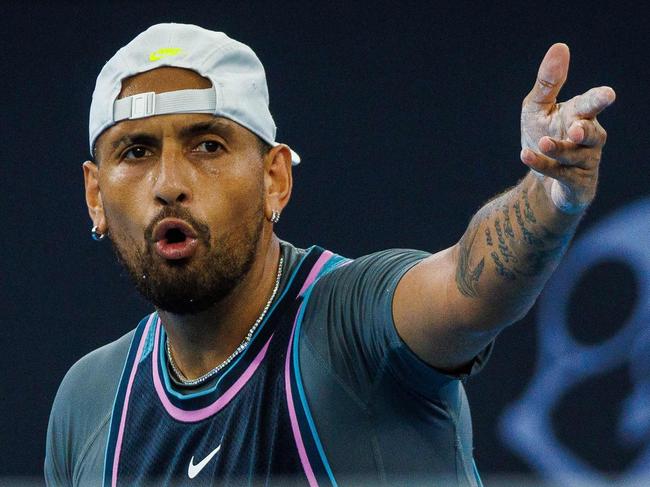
<point>190,286</point>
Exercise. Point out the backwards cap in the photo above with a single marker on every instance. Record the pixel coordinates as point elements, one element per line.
<point>238,92</point>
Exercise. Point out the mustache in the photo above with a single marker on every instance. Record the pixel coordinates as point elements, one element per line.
<point>202,229</point>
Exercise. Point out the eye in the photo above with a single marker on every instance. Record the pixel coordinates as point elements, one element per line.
<point>137,152</point>
<point>208,146</point>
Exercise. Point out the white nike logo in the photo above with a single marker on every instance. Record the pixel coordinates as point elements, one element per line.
<point>193,470</point>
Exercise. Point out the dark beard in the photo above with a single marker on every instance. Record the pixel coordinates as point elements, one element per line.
<point>189,287</point>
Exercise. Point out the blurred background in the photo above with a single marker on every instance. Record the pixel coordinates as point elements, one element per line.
<point>406,115</point>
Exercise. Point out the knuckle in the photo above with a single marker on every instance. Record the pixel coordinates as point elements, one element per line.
<point>546,85</point>
<point>592,133</point>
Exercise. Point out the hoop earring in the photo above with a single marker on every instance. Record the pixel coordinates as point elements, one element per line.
<point>275,216</point>
<point>97,237</point>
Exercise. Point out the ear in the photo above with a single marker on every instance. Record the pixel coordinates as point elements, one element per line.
<point>278,180</point>
<point>94,196</point>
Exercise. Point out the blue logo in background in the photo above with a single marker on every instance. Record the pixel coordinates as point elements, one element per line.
<point>564,362</point>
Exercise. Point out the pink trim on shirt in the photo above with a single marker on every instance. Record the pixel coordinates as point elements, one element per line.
<point>302,452</point>
<point>224,399</point>
<point>120,434</point>
<point>313,274</point>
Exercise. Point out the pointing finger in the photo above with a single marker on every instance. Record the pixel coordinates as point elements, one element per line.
<point>551,75</point>
<point>594,101</point>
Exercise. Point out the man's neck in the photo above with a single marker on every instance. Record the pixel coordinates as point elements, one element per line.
<point>202,341</point>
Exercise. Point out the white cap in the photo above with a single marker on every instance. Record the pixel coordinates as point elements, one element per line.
<point>238,92</point>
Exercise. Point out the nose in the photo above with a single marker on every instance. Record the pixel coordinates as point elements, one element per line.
<point>172,180</point>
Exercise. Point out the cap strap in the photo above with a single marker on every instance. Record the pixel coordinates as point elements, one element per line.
<point>150,103</point>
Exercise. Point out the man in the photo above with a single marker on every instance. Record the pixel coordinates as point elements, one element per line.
<point>271,364</point>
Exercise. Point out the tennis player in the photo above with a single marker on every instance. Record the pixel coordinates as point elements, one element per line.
<point>264,363</point>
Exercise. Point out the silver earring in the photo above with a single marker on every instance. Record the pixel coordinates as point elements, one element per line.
<point>275,216</point>
<point>97,237</point>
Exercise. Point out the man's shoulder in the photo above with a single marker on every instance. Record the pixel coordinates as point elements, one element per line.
<point>101,366</point>
<point>88,388</point>
<point>81,412</point>
<point>374,269</point>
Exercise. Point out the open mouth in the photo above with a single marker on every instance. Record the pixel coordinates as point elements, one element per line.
<point>175,235</point>
<point>174,239</point>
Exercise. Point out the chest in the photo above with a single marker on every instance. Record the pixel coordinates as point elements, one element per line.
<point>250,425</point>
<point>240,430</point>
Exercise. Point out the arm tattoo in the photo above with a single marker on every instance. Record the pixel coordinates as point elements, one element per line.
<point>488,237</point>
<point>507,227</point>
<point>528,212</point>
<point>536,257</point>
<point>531,238</point>
<point>503,247</point>
<point>528,236</point>
<point>540,259</point>
<point>520,220</point>
<point>501,268</point>
<point>521,246</point>
<point>466,277</point>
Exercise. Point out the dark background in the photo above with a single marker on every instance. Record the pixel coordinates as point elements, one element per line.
<point>406,116</point>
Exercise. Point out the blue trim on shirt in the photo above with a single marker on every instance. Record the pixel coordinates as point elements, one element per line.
<point>335,261</point>
<point>120,394</point>
<point>148,344</point>
<point>476,474</point>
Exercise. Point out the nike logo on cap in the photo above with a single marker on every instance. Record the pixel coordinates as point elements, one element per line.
<point>164,52</point>
<point>194,470</point>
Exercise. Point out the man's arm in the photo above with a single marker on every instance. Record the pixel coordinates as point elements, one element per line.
<point>452,304</point>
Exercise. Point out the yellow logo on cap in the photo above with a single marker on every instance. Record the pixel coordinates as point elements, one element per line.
<point>164,52</point>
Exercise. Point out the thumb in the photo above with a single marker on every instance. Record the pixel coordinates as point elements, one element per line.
<point>551,76</point>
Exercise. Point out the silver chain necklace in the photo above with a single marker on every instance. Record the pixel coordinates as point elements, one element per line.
<point>242,346</point>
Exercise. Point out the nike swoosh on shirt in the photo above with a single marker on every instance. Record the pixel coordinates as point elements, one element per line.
<point>194,470</point>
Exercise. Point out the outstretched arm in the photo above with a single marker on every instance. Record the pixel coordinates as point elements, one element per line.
<point>449,306</point>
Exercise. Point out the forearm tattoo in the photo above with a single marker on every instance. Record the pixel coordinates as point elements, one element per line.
<point>520,247</point>
<point>466,276</point>
<point>488,236</point>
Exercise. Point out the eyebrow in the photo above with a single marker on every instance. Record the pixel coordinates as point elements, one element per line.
<point>137,138</point>
<point>217,126</point>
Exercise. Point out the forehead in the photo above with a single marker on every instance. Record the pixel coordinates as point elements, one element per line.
<point>181,125</point>
<point>161,80</point>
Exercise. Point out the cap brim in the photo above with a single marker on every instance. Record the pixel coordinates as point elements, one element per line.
<point>295,158</point>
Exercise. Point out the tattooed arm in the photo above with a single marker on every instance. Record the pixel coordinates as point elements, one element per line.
<point>449,306</point>
<point>519,238</point>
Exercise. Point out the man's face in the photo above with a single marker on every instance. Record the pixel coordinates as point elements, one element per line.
<point>182,196</point>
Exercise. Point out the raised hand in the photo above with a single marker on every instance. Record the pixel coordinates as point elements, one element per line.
<point>563,141</point>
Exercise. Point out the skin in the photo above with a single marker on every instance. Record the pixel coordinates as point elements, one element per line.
<point>232,190</point>
<point>446,308</point>
<point>451,305</point>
